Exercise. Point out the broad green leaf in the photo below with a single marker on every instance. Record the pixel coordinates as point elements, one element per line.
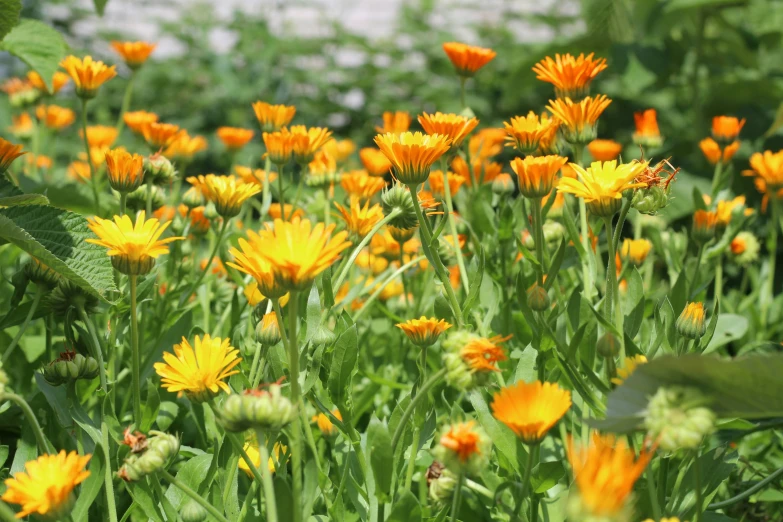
<point>11,196</point>
<point>57,238</point>
<point>38,45</point>
<point>546,475</point>
<point>9,15</point>
<point>475,276</point>
<point>344,359</point>
<point>405,509</point>
<point>26,449</point>
<point>142,495</point>
<point>167,413</point>
<point>90,488</point>
<point>379,440</point>
<point>55,396</point>
<point>151,406</point>
<point>504,439</point>
<point>728,328</point>
<point>192,473</point>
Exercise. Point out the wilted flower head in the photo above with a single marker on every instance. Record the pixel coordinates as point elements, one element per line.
<point>468,59</point>
<point>579,118</point>
<point>571,76</point>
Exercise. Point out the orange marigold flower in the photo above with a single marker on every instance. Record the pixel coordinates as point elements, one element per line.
<point>399,121</point>
<point>55,117</point>
<point>704,223</point>
<point>100,136</point>
<point>360,220</point>
<point>412,154</point>
<point>438,185</point>
<point>768,167</point>
<point>228,193</point>
<point>279,146</point>
<point>647,132</point>
<point>273,117</point>
<point>8,153</point>
<point>483,354</point>
<point>424,331</point>
<point>327,427</point>
<point>453,126</point>
<point>375,161</point>
<point>463,443</point>
<point>604,150</point>
<point>307,141</point>
<point>160,135</point>
<point>88,74</point>
<point>487,143</point>
<point>284,212</point>
<point>124,170</point>
<point>22,125</point>
<point>482,171</point>
<point>724,210</point>
<point>339,150</point>
<point>579,118</point>
<point>184,146</point>
<point>134,53</point>
<point>570,75</point>
<point>635,251</point>
<point>59,80</point>
<point>537,175</point>
<point>79,171</point>
<point>359,184</point>
<point>254,176</point>
<point>234,138</point>
<point>468,59</point>
<point>136,120</point>
<point>40,161</point>
<point>531,409</point>
<point>712,150</point>
<point>526,132</point>
<point>726,129</point>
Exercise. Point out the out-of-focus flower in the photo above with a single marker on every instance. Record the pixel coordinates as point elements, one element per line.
<point>469,358</point>
<point>339,150</point>
<point>228,193</point>
<point>160,135</point>
<point>55,117</point>
<point>629,366</point>
<point>234,138</point>
<point>679,417</point>
<point>360,220</point>
<point>725,209</point>
<point>453,126</point>
<point>21,93</point>
<point>602,184</point>
<point>635,251</point>
<point>531,409</point>
<point>437,182</point>
<point>412,154</point>
<point>22,126</point>
<point>481,171</point>
<point>744,248</point>
<point>272,118</point>
<point>487,143</point>
<point>307,141</point>
<point>136,120</point>
<point>284,212</point>
<point>79,171</point>
<point>260,409</point>
<point>328,429</point>
<point>468,59</point>
<point>359,184</point>
<point>254,176</point>
<point>537,175</point>
<point>579,118</point>
<point>100,136</point>
<point>704,224</point>
<point>251,448</point>
<point>604,150</point>
<point>424,331</point>
<point>463,447</point>
<point>59,80</point>
<point>375,161</point>
<point>397,122</point>
<point>713,152</point>
<point>134,53</point>
<point>184,146</point>
<point>8,153</point>
<point>767,166</point>
<point>87,74</point>
<point>726,129</point>
<point>647,133</point>
<point>570,75</point>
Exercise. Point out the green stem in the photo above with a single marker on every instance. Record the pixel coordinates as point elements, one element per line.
<point>174,481</point>
<point>376,293</point>
<point>716,177</point>
<point>280,196</point>
<point>699,508</point>
<point>123,200</point>
<point>6,513</point>
<point>528,474</point>
<point>269,488</point>
<point>758,486</point>
<point>663,479</point>
<point>772,247</point>
<point>107,478</point>
<point>126,99</point>
<point>148,202</point>
<point>457,498</point>
<point>412,458</point>
<point>653,492</point>
<point>718,291</point>
<point>432,381</point>
<point>587,270</point>
<point>93,177</point>
<point>538,231</point>
<point>33,307</point>
<point>36,145</point>
<point>692,283</point>
<point>218,240</point>
<point>462,80</point>
<point>266,194</point>
<point>43,446</point>
<point>453,228</point>
<point>295,436</point>
<point>135,354</point>
<point>97,350</point>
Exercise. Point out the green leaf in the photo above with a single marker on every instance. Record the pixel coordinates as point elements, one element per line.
<point>11,196</point>
<point>100,6</point>
<point>554,268</point>
<point>475,275</point>
<point>192,473</point>
<point>9,15</point>
<point>504,439</point>
<point>406,509</point>
<point>379,441</point>
<point>90,488</point>
<point>142,495</point>
<point>727,328</point>
<point>4,451</point>
<point>38,45</point>
<point>344,359</point>
<point>313,313</point>
<point>167,414</point>
<point>57,238</point>
<point>546,475</point>
<point>151,406</point>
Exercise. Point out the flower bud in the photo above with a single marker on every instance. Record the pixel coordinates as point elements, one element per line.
<point>691,323</point>
<point>650,200</point>
<point>677,417</point>
<point>608,345</point>
<point>137,200</point>
<point>470,359</point>
<point>399,197</point>
<point>323,336</point>
<point>267,330</point>
<point>704,223</point>
<point>210,211</point>
<point>160,450</point>
<point>159,169</point>
<point>40,274</point>
<point>69,367</point>
<point>401,235</point>
<point>258,409</point>
<point>537,298</point>
<point>744,248</point>
<point>442,486</point>
<point>66,295</point>
<point>503,185</point>
<point>192,511</point>
<point>192,198</point>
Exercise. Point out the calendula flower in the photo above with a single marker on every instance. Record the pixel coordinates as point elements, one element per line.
<point>234,138</point>
<point>299,251</point>
<point>481,171</point>
<point>724,210</point>
<point>375,161</point>
<point>251,448</point>
<point>59,80</point>
<point>629,366</point>
<point>124,170</point>
<point>604,150</point>
<point>79,171</point>
<point>399,121</point>
<point>744,248</point>
<point>463,447</point>
<point>635,251</point>
<point>412,154</point>
<point>647,133</point>
<point>691,322</point>
<point>279,146</point>
<point>22,126</point>
<point>726,129</point>
<point>21,93</point>
<point>487,143</point>
<point>339,150</point>
<point>228,193</point>
<point>100,136</point>
<point>136,120</point>
<point>272,118</point>
<point>8,153</point>
<point>360,220</point>
<point>579,118</point>
<point>46,485</point>
<point>199,371</point>
<point>704,223</point>
<point>322,171</point>
<point>87,74</point>
<point>133,248</point>
<point>424,331</point>
<point>250,261</point>
<point>307,141</point>
<point>470,358</point>
<point>184,146</point>
<point>328,429</point>
<point>268,329</point>
<point>767,166</point>
<point>284,212</point>
<point>713,152</point>
<point>160,135</point>
<point>531,409</point>
<point>525,132</point>
<point>359,184</point>
<point>602,184</point>
<point>55,117</point>
<point>453,126</point>
<point>437,182</point>
<point>570,75</point>
<point>468,59</point>
<point>605,472</point>
<point>134,53</point>
<point>537,175</point>
<point>503,185</point>
<point>40,161</point>
<point>254,176</point>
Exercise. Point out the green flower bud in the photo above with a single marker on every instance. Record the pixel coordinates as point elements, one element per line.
<point>678,418</point>
<point>192,198</point>
<point>608,345</point>
<point>193,512</point>
<point>442,486</point>
<point>503,185</point>
<point>210,212</point>
<point>399,197</point>
<point>159,169</point>
<point>323,336</point>
<point>137,200</point>
<point>267,330</point>
<point>41,274</point>
<point>259,409</point>
<point>470,359</point>
<point>323,180</point>
<point>160,450</point>
<point>744,249</point>
<point>650,200</point>
<point>704,224</point>
<point>69,367</point>
<point>67,295</point>
<point>537,298</point>
<point>401,235</point>
<point>691,323</point>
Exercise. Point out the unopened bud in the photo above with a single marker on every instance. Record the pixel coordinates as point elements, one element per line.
<point>258,409</point>
<point>160,169</point>
<point>537,298</point>
<point>267,330</point>
<point>41,274</point>
<point>691,323</point>
<point>192,511</point>
<point>160,450</point>
<point>399,197</point>
<point>608,345</point>
<point>67,295</point>
<point>503,185</point>
<point>69,367</point>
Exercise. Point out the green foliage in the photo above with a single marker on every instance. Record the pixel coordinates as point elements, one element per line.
<point>38,45</point>
<point>9,16</point>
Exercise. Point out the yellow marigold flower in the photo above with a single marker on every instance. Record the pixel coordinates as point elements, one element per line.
<point>8,153</point>
<point>525,132</point>
<point>307,141</point>
<point>88,74</point>
<point>136,120</point>
<point>59,80</point>
<point>285,212</point>
<point>468,59</point>
<point>397,122</point>
<point>251,448</point>
<point>487,143</point>
<point>256,176</point>
<point>279,146</point>
<point>647,132</point>
<point>234,138</point>
<point>134,53</point>
<point>605,472</point>
<point>550,142</point>
<point>272,118</point>
<point>704,223</point>
<point>768,167</point>
<point>437,182</point>
<point>579,118</point>
<point>184,146</point>
<point>635,251</point>
<point>325,424</point>
<point>100,136</point>
<point>125,170</point>
<point>228,193</point>
<point>412,154</point>
<point>604,150</point>
<point>360,220</point>
<point>55,117</point>
<point>570,75</point>
<point>133,248</point>
<point>531,409</point>
<point>726,129</point>
<point>359,184</point>
<point>46,485</point>
<point>483,354</point>
<point>250,261</point>
<point>712,151</point>
<point>22,126</point>
<point>629,366</point>
<point>691,322</point>
<point>299,251</point>
<point>724,209</point>
<point>322,171</point>
<point>198,371</point>
<point>252,293</point>
<point>79,171</point>
<point>160,135</point>
<point>375,161</point>
<point>602,184</point>
<point>423,331</point>
<point>339,150</point>
<point>453,126</point>
<point>537,175</point>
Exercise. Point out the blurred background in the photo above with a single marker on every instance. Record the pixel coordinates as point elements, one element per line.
<point>344,62</point>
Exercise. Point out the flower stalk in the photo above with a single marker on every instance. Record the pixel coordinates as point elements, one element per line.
<point>135,353</point>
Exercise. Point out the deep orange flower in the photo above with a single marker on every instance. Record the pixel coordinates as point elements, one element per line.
<point>453,126</point>
<point>424,331</point>
<point>59,80</point>
<point>463,440</point>
<point>399,121</point>
<point>55,117</point>
<point>483,354</point>
<point>134,53</point>
<point>712,151</point>
<point>272,118</point>
<point>100,136</point>
<point>570,75</point>
<point>375,161</point>
<point>647,132</point>
<point>531,409</point>
<point>359,184</point>
<point>437,184</point>
<point>8,153</point>
<point>481,171</point>
<point>279,146</point>
<point>160,135</point>
<point>412,154</point>
<point>487,143</point>
<point>124,170</point>
<point>537,175</point>
<point>234,138</point>
<point>88,74</point>
<point>579,118</point>
<point>307,141</point>
<point>22,127</point>
<point>468,59</point>
<point>136,120</point>
<point>726,129</point>
<point>184,146</point>
<point>604,150</point>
